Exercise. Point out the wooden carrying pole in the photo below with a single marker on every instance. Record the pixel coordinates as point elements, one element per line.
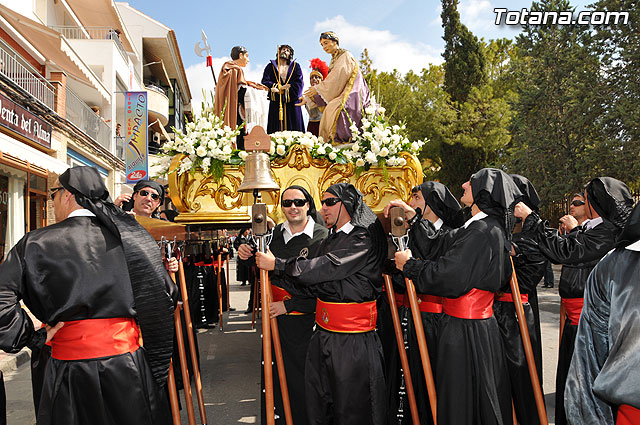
<point>266,352</point>
<point>186,382</point>
<point>528,351</point>
<point>399,235</point>
<point>192,344</point>
<point>219,283</point>
<point>282,377</point>
<point>228,282</point>
<point>173,396</point>
<point>404,361</point>
<point>424,351</point>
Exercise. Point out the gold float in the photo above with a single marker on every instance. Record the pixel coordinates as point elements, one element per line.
<point>200,199</point>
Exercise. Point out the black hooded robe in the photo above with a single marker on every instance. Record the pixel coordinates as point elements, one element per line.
<point>581,249</point>
<point>530,266</point>
<point>472,384</point>
<point>344,371</point>
<point>605,369</point>
<point>295,327</point>
<point>75,270</point>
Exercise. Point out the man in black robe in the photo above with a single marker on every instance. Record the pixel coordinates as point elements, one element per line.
<point>472,381</point>
<point>299,236</point>
<point>90,277</point>
<point>344,366</point>
<point>284,79</point>
<point>431,214</point>
<point>608,204</point>
<point>602,383</point>
<point>530,266</point>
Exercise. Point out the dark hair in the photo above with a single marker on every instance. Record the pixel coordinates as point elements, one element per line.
<point>330,35</point>
<point>237,51</point>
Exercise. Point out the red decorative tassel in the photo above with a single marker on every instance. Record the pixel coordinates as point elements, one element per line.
<point>209,61</point>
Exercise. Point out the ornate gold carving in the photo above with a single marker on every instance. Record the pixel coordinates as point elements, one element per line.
<point>201,199</point>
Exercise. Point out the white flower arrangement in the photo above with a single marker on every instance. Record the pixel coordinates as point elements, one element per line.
<point>207,145</point>
<point>377,143</point>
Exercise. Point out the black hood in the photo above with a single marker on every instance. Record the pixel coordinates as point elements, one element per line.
<point>154,308</point>
<point>362,216</point>
<point>312,212</point>
<point>529,194</point>
<point>438,197</point>
<point>496,194</point>
<point>611,199</point>
<point>631,231</point>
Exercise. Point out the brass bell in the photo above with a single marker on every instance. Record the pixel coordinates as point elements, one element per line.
<point>257,173</point>
<point>257,168</point>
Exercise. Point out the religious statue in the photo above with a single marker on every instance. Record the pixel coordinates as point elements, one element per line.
<point>344,92</point>
<point>234,94</point>
<point>319,70</point>
<point>283,77</point>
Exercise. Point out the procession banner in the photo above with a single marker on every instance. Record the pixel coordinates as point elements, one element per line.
<point>137,153</point>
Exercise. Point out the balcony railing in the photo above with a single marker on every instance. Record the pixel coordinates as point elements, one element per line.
<point>92,33</point>
<point>20,72</point>
<point>83,117</point>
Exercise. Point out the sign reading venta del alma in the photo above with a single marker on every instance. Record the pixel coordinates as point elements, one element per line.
<point>16,118</point>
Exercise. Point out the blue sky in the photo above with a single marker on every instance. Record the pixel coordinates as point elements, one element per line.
<point>399,34</point>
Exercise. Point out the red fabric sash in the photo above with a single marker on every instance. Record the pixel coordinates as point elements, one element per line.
<point>508,298</point>
<point>281,294</point>
<point>214,264</point>
<point>628,415</point>
<point>573,307</point>
<point>95,338</point>
<point>346,317</point>
<point>475,304</point>
<point>400,300</point>
<point>428,303</point>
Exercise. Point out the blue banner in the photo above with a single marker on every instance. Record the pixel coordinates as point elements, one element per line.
<point>136,143</point>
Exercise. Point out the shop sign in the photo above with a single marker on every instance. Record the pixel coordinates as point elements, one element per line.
<point>19,120</point>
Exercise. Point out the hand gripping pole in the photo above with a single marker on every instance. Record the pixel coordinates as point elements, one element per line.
<point>400,238</point>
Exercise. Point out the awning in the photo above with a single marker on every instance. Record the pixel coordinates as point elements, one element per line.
<point>53,48</point>
<point>101,13</point>
<point>33,156</point>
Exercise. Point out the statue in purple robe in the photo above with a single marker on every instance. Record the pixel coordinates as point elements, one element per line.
<point>283,77</point>
<point>344,92</point>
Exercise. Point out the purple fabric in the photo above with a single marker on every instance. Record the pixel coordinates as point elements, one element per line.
<point>357,100</point>
<point>293,113</point>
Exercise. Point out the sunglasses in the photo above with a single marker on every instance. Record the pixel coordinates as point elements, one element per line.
<point>330,201</point>
<point>145,193</point>
<point>53,191</point>
<point>297,202</point>
<point>577,203</point>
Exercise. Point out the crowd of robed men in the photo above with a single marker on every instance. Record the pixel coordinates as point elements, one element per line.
<point>331,312</point>
<point>96,280</point>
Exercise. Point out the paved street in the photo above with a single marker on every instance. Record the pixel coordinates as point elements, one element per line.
<point>230,363</point>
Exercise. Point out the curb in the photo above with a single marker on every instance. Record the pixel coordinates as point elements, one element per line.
<point>11,362</point>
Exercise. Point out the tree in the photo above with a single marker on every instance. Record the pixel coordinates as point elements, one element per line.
<point>477,131</point>
<point>556,129</point>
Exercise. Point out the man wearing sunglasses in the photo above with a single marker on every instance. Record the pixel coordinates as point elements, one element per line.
<point>81,278</point>
<point>608,204</point>
<point>298,236</point>
<point>344,366</point>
